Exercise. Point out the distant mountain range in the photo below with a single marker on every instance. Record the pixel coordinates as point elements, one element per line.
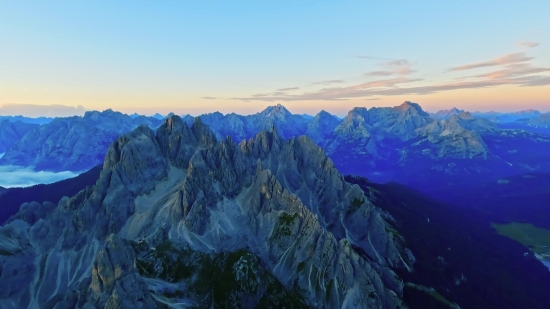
<point>72,143</point>
<point>403,143</point>
<point>12,132</point>
<point>508,117</point>
<point>37,120</point>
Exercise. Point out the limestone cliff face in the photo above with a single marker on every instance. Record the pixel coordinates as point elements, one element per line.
<point>379,134</point>
<point>282,201</point>
<point>72,143</point>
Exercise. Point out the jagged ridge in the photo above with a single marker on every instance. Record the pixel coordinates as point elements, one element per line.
<point>281,200</point>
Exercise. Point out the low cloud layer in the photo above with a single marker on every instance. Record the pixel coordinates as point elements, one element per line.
<point>17,176</point>
<point>33,110</point>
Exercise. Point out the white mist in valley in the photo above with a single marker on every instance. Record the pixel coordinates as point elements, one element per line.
<point>18,176</point>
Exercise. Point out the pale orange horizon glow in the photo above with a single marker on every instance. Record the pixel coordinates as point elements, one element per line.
<point>504,98</point>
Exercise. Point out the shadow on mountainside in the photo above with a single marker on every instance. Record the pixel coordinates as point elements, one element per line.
<point>458,254</point>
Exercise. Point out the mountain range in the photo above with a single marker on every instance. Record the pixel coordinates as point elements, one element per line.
<point>32,120</point>
<point>72,143</point>
<point>383,144</point>
<point>12,132</point>
<point>178,218</point>
<point>172,208</point>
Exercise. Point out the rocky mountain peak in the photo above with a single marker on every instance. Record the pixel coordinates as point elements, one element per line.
<point>276,111</point>
<point>324,114</point>
<point>412,107</point>
<point>357,113</point>
<point>95,115</point>
<point>282,201</point>
<point>322,126</point>
<point>446,113</point>
<point>465,115</point>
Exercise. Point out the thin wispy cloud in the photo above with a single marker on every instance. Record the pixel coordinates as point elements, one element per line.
<point>527,44</point>
<point>502,60</point>
<point>34,110</point>
<point>373,57</point>
<point>534,81</point>
<point>328,82</point>
<point>209,98</point>
<point>513,69</point>
<point>396,63</point>
<point>393,67</point>
<point>288,89</point>
<point>337,93</point>
<point>380,73</point>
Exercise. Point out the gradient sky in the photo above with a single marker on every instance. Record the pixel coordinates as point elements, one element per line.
<point>241,56</point>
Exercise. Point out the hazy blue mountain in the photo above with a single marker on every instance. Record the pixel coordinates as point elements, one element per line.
<point>12,132</point>
<point>539,124</point>
<point>306,116</point>
<point>321,127</point>
<point>72,143</point>
<point>407,145</point>
<point>240,127</point>
<point>178,217</point>
<point>158,116</point>
<point>446,113</point>
<point>507,117</point>
<point>37,120</point>
<point>402,143</point>
<point>541,121</point>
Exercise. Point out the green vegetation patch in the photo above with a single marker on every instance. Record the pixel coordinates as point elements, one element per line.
<point>393,231</point>
<point>284,225</point>
<point>356,203</point>
<point>535,238</point>
<point>222,280</point>
<point>169,263</point>
<point>433,293</point>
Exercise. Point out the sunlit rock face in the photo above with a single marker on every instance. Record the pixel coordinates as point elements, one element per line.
<point>271,217</point>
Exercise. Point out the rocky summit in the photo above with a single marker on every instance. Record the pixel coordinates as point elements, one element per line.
<point>179,219</point>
